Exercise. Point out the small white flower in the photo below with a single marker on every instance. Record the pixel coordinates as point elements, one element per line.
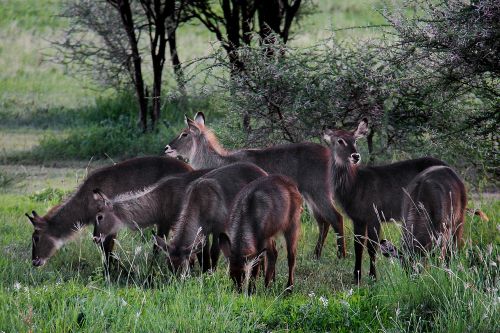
<point>349,293</point>
<point>138,250</point>
<point>324,300</point>
<point>344,303</point>
<point>311,294</point>
<point>17,285</point>
<point>124,303</point>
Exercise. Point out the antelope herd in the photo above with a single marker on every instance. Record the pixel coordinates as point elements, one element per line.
<point>243,199</point>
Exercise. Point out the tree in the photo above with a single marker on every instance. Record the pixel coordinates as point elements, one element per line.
<point>233,21</point>
<point>114,45</point>
<point>431,89</point>
<point>125,12</point>
<point>163,18</point>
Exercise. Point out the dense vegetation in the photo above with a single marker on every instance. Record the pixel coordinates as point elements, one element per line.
<point>55,123</point>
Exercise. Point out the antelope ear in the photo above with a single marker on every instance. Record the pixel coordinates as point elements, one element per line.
<point>191,124</point>
<point>188,121</point>
<point>199,118</point>
<point>160,242</point>
<point>362,129</point>
<point>100,197</point>
<point>32,219</point>
<point>37,221</point>
<point>327,135</point>
<point>225,244</point>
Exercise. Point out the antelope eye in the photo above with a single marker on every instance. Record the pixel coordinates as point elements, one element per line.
<point>99,217</point>
<point>36,238</point>
<point>342,142</point>
<point>183,134</point>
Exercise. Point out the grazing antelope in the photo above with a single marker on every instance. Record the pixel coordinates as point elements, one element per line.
<point>368,194</point>
<point>308,164</point>
<point>63,221</point>
<point>159,205</point>
<point>204,212</point>
<point>264,208</point>
<point>434,214</point>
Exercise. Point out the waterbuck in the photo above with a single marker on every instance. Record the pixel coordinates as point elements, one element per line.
<point>264,208</point>
<point>159,205</point>
<point>308,164</point>
<point>368,195</point>
<point>434,215</point>
<point>63,221</point>
<point>204,212</point>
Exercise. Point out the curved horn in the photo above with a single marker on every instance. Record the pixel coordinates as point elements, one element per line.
<point>34,213</point>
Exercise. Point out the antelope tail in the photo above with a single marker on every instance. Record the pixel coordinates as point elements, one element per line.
<point>479,213</point>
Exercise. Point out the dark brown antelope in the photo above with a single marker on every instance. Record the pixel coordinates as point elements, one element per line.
<point>306,163</point>
<point>434,215</point>
<point>263,209</point>
<point>369,195</point>
<point>204,212</point>
<point>63,221</point>
<point>158,205</point>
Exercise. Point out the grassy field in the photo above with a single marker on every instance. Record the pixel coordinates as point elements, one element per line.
<point>55,127</point>
<point>70,293</point>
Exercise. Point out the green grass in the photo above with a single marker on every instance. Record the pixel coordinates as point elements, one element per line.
<point>53,128</point>
<point>69,293</point>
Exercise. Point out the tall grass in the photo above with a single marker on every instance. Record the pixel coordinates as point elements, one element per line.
<point>71,292</point>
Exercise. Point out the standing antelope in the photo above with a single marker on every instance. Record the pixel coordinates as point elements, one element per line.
<point>368,194</point>
<point>204,212</point>
<point>308,164</point>
<point>264,208</point>
<point>63,221</point>
<point>434,214</point>
<point>159,204</point>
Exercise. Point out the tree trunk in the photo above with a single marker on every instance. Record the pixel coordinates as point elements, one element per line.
<point>176,63</point>
<point>158,45</point>
<point>369,140</point>
<point>123,7</point>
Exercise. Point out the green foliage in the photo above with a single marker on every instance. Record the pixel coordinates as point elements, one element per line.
<point>49,194</point>
<point>418,100</point>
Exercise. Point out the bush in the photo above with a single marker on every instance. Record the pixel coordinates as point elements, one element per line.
<point>425,90</point>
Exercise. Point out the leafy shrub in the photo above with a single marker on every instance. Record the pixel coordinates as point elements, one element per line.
<point>422,93</point>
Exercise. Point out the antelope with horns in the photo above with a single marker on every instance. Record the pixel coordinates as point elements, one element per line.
<point>434,215</point>
<point>204,212</point>
<point>368,194</point>
<point>264,208</point>
<point>63,221</point>
<point>308,164</point>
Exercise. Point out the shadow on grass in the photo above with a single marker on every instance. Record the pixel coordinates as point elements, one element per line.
<point>107,129</point>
